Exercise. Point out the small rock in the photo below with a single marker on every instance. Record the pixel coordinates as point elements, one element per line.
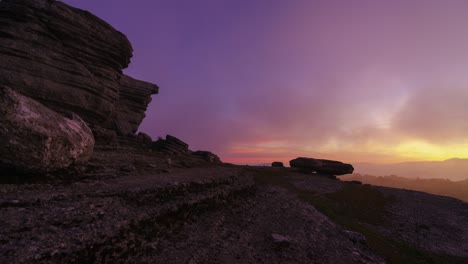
<point>277,164</point>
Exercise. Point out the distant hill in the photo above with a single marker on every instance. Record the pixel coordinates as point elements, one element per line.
<point>456,189</point>
<point>452,169</point>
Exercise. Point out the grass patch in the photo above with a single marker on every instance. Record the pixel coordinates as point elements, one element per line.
<point>356,208</point>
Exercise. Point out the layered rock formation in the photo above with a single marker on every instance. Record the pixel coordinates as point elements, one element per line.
<point>321,166</point>
<point>131,107</point>
<point>70,60</point>
<point>171,145</point>
<point>207,156</point>
<point>37,139</point>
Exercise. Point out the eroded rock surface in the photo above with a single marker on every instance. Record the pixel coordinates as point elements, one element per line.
<point>36,139</point>
<point>134,98</point>
<point>70,60</point>
<point>171,145</point>
<point>207,156</point>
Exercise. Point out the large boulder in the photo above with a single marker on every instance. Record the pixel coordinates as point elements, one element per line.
<point>36,139</point>
<point>322,166</point>
<point>70,60</point>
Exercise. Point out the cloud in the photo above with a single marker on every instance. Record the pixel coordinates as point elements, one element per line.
<point>333,79</point>
<point>436,114</point>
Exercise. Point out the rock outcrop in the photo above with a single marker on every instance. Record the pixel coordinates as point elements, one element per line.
<point>171,145</point>
<point>277,164</point>
<point>207,156</point>
<point>37,139</point>
<point>70,60</point>
<point>134,98</point>
<point>322,166</point>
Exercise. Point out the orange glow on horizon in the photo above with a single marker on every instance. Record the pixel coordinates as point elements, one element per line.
<point>410,150</point>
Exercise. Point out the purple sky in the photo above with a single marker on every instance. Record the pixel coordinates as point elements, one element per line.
<point>262,80</point>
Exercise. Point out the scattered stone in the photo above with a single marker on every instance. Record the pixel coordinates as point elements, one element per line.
<point>321,166</point>
<point>277,164</point>
<point>36,139</point>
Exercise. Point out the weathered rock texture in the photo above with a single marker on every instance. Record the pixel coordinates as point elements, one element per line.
<point>207,156</point>
<point>327,167</point>
<point>171,145</point>
<point>70,60</point>
<point>132,104</point>
<point>35,138</point>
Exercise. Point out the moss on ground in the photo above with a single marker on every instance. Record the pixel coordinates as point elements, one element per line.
<point>358,208</point>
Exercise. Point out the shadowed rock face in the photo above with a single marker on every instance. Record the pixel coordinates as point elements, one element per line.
<point>134,98</point>
<point>70,60</point>
<point>321,166</point>
<point>171,145</point>
<point>207,156</point>
<point>37,139</point>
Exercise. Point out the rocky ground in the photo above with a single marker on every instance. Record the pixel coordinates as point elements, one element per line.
<point>135,206</point>
<point>65,198</point>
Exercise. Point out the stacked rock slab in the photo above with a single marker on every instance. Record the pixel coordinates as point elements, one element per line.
<point>70,60</point>
<point>322,166</point>
<point>171,145</point>
<point>132,104</point>
<point>207,156</point>
<point>34,138</point>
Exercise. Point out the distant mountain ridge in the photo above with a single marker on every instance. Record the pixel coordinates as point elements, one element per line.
<point>456,189</point>
<point>454,169</point>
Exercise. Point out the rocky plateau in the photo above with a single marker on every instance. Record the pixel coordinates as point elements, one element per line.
<point>78,184</point>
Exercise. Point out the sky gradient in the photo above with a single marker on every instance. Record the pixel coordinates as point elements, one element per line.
<point>261,80</point>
